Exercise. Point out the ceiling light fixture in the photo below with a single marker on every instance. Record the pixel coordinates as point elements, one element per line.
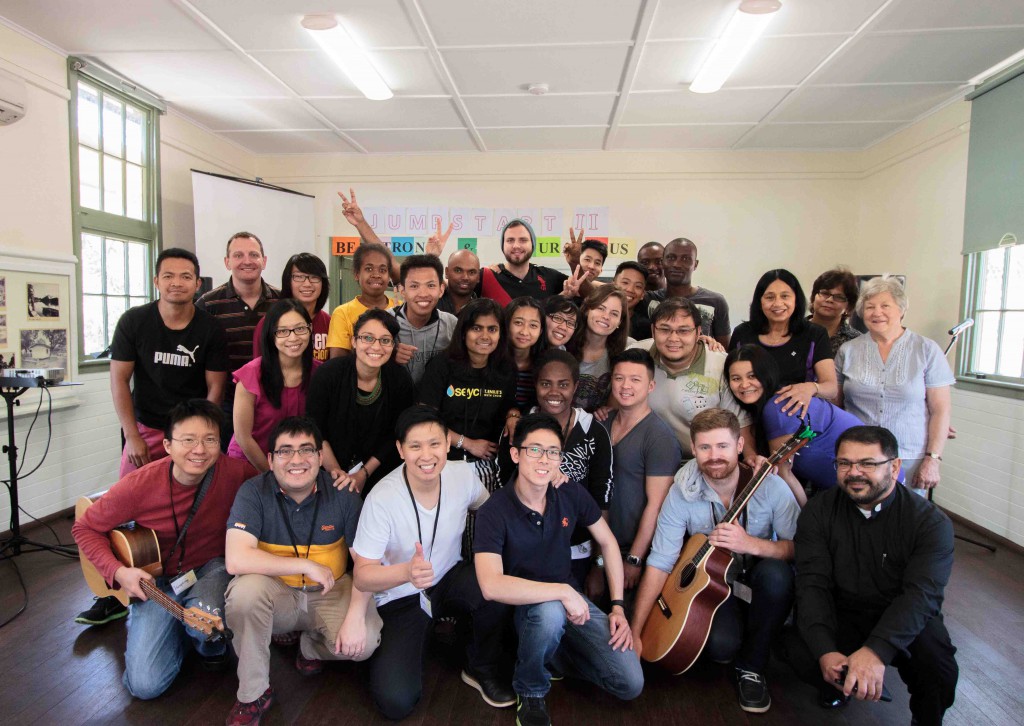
<point>740,34</point>
<point>336,42</point>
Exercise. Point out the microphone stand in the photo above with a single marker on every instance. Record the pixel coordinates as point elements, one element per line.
<point>991,548</point>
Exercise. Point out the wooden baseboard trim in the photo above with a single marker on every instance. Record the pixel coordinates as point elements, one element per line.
<point>985,534</point>
<point>32,525</point>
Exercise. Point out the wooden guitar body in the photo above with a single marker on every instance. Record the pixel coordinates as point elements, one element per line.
<point>677,629</point>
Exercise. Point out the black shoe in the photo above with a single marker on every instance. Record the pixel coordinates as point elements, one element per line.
<point>216,663</point>
<point>753,690</point>
<point>829,697</point>
<point>492,690</point>
<point>103,610</point>
<point>532,712</point>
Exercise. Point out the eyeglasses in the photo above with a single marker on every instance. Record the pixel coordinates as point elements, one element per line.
<point>867,466</point>
<point>385,342</point>
<point>299,330</point>
<point>562,320</point>
<point>299,279</point>
<point>189,442</point>
<point>832,296</point>
<point>287,452</point>
<point>681,332</point>
<point>535,452</point>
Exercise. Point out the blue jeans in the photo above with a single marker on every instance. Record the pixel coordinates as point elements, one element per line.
<point>157,642</point>
<point>581,651</point>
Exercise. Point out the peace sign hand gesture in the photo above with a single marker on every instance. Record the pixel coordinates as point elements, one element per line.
<point>350,208</point>
<point>573,248</point>
<point>437,241</point>
<point>572,285</point>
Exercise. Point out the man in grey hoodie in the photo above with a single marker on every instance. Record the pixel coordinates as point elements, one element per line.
<point>425,330</point>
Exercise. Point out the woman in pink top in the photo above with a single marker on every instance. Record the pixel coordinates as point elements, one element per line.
<point>273,386</point>
<point>305,279</point>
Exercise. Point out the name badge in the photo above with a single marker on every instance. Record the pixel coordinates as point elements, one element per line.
<point>742,591</point>
<point>184,582</point>
<point>425,604</point>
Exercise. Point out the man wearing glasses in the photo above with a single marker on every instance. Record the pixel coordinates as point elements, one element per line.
<point>872,565</point>
<point>523,559</point>
<point>288,538</point>
<point>186,501</point>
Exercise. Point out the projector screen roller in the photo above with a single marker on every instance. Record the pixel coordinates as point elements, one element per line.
<point>283,221</point>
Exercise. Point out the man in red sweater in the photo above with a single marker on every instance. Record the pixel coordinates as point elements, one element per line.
<point>186,501</point>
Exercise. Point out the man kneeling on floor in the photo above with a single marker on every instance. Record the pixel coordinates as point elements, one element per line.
<point>287,542</point>
<point>523,558</point>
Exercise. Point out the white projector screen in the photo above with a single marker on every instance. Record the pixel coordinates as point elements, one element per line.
<point>283,220</point>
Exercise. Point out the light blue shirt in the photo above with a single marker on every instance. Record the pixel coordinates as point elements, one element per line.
<point>693,507</point>
<point>892,394</point>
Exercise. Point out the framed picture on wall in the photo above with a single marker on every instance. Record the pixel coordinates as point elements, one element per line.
<point>42,300</point>
<point>3,292</point>
<point>44,348</point>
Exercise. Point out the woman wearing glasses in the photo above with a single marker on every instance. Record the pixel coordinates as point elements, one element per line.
<point>355,401</point>
<point>272,386</point>
<point>305,279</point>
<point>833,298</point>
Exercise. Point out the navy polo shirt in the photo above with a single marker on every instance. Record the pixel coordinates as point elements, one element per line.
<point>534,546</point>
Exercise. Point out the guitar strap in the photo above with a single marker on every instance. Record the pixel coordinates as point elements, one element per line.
<point>200,493</point>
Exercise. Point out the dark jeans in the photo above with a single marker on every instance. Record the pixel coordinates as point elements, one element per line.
<point>929,669</point>
<point>743,634</point>
<point>396,669</point>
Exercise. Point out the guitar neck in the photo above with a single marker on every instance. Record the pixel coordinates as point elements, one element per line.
<point>158,596</point>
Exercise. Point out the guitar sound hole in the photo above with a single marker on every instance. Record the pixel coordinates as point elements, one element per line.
<point>686,576</point>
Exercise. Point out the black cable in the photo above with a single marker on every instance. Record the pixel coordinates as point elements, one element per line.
<point>24,589</point>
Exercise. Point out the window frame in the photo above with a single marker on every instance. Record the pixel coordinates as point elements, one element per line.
<point>967,378</point>
<point>104,224</point>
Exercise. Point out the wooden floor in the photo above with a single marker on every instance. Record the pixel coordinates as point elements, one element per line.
<point>53,671</point>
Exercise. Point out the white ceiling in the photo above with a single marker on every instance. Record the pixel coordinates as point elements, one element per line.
<point>828,74</point>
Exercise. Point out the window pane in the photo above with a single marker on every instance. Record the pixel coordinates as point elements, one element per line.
<point>115,308</point>
<point>113,112</point>
<point>88,178</point>
<point>138,270</point>
<point>986,343</point>
<point>115,267</point>
<point>991,297</point>
<point>113,198</point>
<point>1015,280</point>
<point>88,116</point>
<point>1011,352</point>
<point>92,264</point>
<point>134,133</point>
<point>133,190</point>
<point>92,324</point>
<point>137,301</point>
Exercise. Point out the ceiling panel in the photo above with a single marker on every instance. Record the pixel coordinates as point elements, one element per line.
<point>528,110</point>
<point>173,75</point>
<point>510,70</point>
<point>313,73</point>
<point>397,113</point>
<point>553,139</point>
<point>274,24</point>
<point>913,14</point>
<point>500,22</point>
<point>670,65</point>
<point>726,106</point>
<point>417,141</point>
<point>708,18</point>
<point>864,103</point>
<point>938,56</point>
<point>248,114</point>
<point>818,136</point>
<point>289,142</point>
<point>630,138</point>
<point>90,26</point>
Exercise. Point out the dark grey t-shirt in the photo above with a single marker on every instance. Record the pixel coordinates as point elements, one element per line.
<point>650,449</point>
<point>714,310</point>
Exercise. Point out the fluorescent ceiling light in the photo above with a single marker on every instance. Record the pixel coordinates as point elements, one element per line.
<point>743,30</point>
<point>338,44</point>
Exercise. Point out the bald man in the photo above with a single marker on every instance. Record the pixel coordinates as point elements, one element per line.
<point>463,275</point>
<point>679,263</point>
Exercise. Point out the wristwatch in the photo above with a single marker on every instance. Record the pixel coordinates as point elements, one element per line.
<point>633,560</point>
<point>599,561</point>
<point>458,444</point>
<point>933,455</point>
<point>620,603</point>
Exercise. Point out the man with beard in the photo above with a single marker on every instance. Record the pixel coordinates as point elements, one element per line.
<point>760,540</point>
<point>679,263</point>
<point>518,277</point>
<point>650,255</point>
<point>462,275</point>
<point>873,562</point>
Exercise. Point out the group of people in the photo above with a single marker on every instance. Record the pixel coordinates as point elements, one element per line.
<point>525,451</point>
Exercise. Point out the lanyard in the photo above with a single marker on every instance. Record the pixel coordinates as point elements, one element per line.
<point>416,511</point>
<point>291,532</point>
<point>180,533</point>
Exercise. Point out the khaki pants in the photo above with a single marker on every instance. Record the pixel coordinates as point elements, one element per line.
<point>259,606</point>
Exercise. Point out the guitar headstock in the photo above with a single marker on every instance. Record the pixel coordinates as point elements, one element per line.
<point>800,438</point>
<point>203,621</point>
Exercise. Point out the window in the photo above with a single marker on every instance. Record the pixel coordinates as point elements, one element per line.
<point>994,349</point>
<point>114,202</point>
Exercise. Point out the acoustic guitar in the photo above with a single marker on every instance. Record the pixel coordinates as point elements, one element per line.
<point>679,623</point>
<point>136,546</point>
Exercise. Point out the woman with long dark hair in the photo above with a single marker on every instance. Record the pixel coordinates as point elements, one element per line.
<point>305,279</point>
<point>526,340</point>
<point>601,334</point>
<point>272,386</point>
<point>800,348</point>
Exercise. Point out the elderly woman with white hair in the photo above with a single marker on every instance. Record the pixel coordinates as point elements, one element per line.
<point>895,378</point>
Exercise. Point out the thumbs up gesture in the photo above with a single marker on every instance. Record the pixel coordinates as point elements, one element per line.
<point>421,572</point>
